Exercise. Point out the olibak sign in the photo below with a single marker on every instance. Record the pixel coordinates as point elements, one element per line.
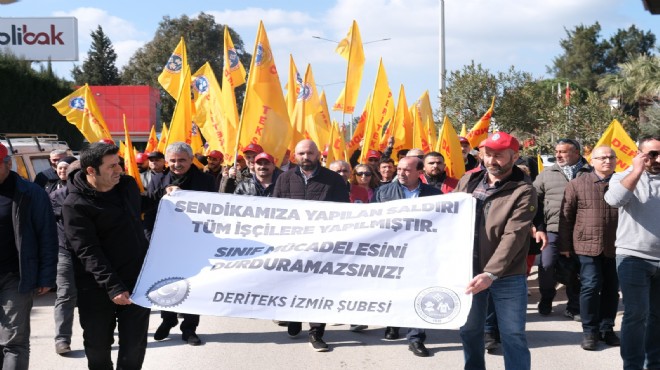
<point>40,38</point>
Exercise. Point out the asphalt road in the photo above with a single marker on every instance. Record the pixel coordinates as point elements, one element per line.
<point>232,343</point>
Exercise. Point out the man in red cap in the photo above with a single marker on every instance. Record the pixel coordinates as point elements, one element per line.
<point>250,152</point>
<point>214,166</point>
<point>470,161</point>
<point>262,182</point>
<point>506,204</point>
<point>142,162</point>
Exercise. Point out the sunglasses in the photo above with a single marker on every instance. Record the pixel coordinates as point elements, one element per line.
<point>569,141</point>
<point>363,173</point>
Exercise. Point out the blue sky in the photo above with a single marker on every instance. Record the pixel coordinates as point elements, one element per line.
<point>496,34</point>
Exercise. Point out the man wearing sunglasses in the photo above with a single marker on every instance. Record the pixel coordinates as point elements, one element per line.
<point>636,192</point>
<point>550,185</point>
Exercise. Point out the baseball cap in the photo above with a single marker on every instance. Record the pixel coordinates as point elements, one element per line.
<point>265,156</point>
<point>463,140</point>
<point>253,148</point>
<point>107,141</point>
<point>139,158</point>
<point>500,141</point>
<point>373,154</point>
<point>216,154</point>
<point>156,155</point>
<point>324,153</point>
<point>4,153</point>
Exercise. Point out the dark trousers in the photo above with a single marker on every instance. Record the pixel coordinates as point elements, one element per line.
<point>547,281</point>
<point>316,328</point>
<point>599,295</point>
<point>98,317</point>
<point>189,324</point>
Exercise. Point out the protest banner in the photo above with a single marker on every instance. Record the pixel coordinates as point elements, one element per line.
<point>401,263</point>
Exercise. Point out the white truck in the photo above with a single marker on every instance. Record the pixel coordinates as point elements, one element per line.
<point>31,152</point>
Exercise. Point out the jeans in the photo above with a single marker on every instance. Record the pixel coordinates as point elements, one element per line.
<point>98,317</point>
<point>547,281</point>
<point>65,303</point>
<point>15,323</point>
<point>510,301</point>
<point>491,319</point>
<point>599,293</point>
<point>640,328</point>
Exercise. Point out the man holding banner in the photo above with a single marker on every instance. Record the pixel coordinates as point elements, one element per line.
<point>407,185</point>
<point>310,181</point>
<point>506,205</point>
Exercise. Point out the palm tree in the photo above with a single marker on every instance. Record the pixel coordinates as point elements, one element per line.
<point>637,83</point>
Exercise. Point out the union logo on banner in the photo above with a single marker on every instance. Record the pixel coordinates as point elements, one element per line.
<point>201,84</point>
<point>233,59</point>
<point>264,56</point>
<point>174,63</point>
<point>77,103</point>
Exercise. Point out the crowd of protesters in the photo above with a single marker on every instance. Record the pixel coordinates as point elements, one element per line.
<point>591,229</point>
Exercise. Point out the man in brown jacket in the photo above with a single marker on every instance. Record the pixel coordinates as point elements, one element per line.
<point>506,205</point>
<point>587,227</point>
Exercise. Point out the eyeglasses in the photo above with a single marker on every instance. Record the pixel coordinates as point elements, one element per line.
<point>363,173</point>
<point>569,141</point>
<point>652,154</point>
<point>606,158</point>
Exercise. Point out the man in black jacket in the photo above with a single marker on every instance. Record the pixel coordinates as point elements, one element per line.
<point>181,175</point>
<point>310,181</point>
<point>101,219</point>
<point>407,185</point>
<point>262,182</point>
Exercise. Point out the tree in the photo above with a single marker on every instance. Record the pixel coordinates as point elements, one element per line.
<point>583,60</point>
<point>204,42</point>
<point>26,98</point>
<point>469,94</point>
<point>99,66</point>
<point>627,45</point>
<point>636,85</point>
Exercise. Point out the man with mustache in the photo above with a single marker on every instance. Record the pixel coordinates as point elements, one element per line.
<point>636,192</point>
<point>101,221</point>
<point>310,181</point>
<point>181,175</point>
<point>506,205</point>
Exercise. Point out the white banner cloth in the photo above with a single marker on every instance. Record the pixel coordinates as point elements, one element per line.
<point>404,263</point>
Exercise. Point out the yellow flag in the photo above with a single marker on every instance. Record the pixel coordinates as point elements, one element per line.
<point>420,134</point>
<point>337,148</point>
<point>539,162</point>
<point>426,112</point>
<point>306,120</point>
<point>380,112</point>
<point>208,112</point>
<point>162,143</point>
<point>181,125</point>
<point>174,70</point>
<point>351,49</point>
<point>122,149</point>
<point>152,142</point>
<point>80,109</point>
<point>292,87</point>
<point>324,122</point>
<point>358,134</point>
<point>479,131</point>
<point>130,164</point>
<point>616,137</point>
<point>233,74</point>
<point>402,125</point>
<point>463,130</point>
<point>232,64</point>
<point>264,120</point>
<point>450,147</point>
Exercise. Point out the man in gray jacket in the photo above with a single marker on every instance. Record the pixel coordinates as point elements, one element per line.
<point>636,192</point>
<point>550,185</point>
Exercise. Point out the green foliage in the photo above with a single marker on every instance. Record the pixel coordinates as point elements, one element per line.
<point>26,98</point>
<point>204,42</point>
<point>627,45</point>
<point>99,68</point>
<point>583,60</point>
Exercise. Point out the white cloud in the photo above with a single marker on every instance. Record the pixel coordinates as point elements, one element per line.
<point>250,17</point>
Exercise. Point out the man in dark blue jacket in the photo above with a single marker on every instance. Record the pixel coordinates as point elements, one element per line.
<point>407,185</point>
<point>28,259</point>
